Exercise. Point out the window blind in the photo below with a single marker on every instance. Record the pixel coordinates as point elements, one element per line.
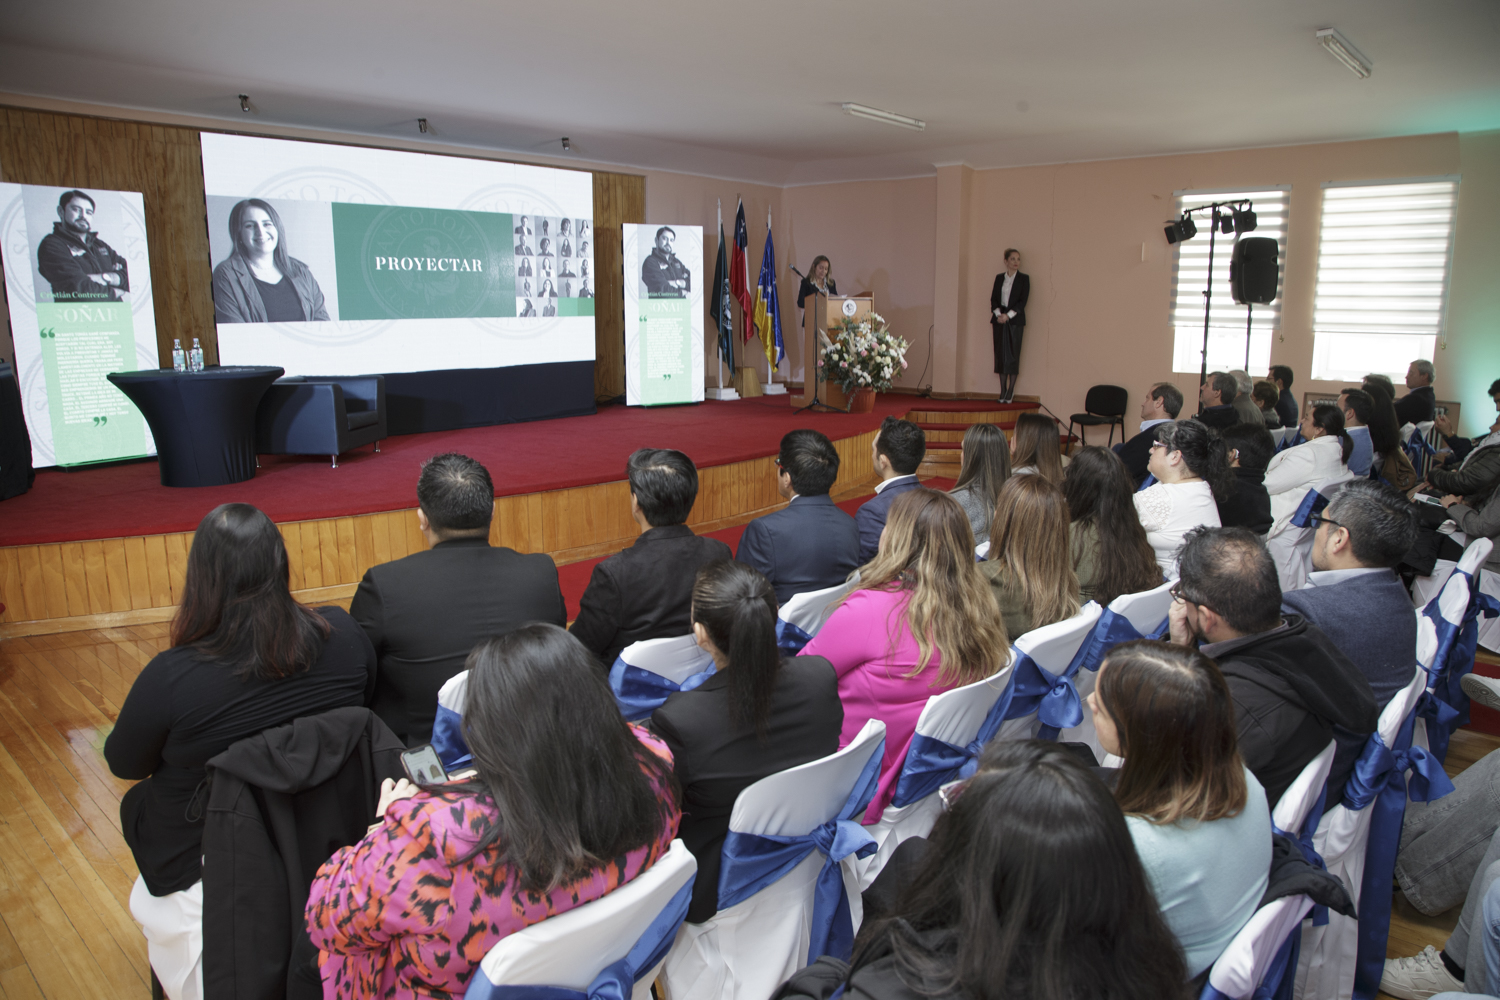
<point>1383,262</point>
<point>1226,334</point>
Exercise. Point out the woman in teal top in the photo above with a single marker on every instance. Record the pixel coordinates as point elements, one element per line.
<point>1198,817</point>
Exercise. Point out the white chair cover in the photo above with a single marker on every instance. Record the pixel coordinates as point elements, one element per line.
<point>1426,588</point>
<point>1241,967</point>
<point>746,951</point>
<point>982,550</point>
<point>1052,647</point>
<point>447,737</point>
<point>572,948</point>
<point>1297,801</point>
<point>1278,435</point>
<point>803,615</point>
<point>1325,969</point>
<point>646,673</point>
<point>954,717</point>
<point>1291,547</point>
<point>1145,610</point>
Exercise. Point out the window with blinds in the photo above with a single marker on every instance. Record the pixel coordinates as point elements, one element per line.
<point>1383,261</point>
<point>1226,332</point>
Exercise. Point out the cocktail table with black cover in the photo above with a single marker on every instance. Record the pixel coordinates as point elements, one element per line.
<point>203,422</point>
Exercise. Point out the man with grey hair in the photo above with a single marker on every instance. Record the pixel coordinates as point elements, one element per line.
<point>1216,401</point>
<point>1353,593</point>
<point>1420,402</point>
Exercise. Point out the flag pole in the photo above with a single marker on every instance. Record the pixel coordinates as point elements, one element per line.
<point>718,293</point>
<point>770,364</point>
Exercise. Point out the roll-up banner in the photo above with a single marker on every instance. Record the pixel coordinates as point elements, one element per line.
<point>78,284</point>
<point>663,284</point>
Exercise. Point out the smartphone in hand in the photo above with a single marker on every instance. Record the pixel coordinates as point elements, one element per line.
<point>423,766</point>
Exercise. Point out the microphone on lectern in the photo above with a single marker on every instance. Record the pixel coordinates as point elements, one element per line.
<point>798,273</point>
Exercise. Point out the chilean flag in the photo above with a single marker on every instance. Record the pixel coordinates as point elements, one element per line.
<point>739,270</point>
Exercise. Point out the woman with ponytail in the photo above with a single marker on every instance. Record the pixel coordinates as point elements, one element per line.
<point>1191,466</point>
<point>756,715</point>
<point>1324,455</point>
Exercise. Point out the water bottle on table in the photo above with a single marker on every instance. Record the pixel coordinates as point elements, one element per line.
<point>197,362</point>
<point>179,359</point>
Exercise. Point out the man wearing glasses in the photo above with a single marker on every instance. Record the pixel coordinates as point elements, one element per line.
<point>1293,690</point>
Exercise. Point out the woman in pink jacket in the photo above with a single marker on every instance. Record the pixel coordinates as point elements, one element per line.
<point>569,803</point>
<point>922,621</point>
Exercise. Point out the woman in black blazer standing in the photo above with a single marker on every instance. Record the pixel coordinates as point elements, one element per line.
<point>1008,321</point>
<point>758,714</point>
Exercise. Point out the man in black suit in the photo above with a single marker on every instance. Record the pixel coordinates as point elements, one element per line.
<point>1286,404</point>
<point>1008,321</point>
<point>1162,404</point>
<point>1420,402</point>
<point>425,612</point>
<point>1216,401</point>
<point>897,451</point>
<point>646,591</point>
<point>810,544</point>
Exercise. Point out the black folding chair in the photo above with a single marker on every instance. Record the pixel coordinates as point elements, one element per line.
<point>1105,404</point>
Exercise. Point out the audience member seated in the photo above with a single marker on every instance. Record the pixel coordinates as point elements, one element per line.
<point>1266,397</point>
<point>569,802</point>
<point>1293,690</point>
<point>1036,448</point>
<point>985,468</point>
<point>758,714</point>
<point>1384,381</point>
<point>1420,402</point>
<point>921,622</point>
<point>1244,403</point>
<point>1216,401</point>
<point>646,591</point>
<point>1111,555</point>
<point>1161,405</point>
<point>1199,818</point>
<point>1483,522</point>
<point>1286,404</point>
<point>245,657</point>
<point>1388,460</point>
<point>1030,566</point>
<point>1190,464</point>
<point>1028,887</point>
<point>1356,406</point>
<point>810,544</point>
<point>425,612</point>
<point>1294,471</point>
<point>1353,594</point>
<point>896,453</point>
<point>1248,505</point>
<point>1478,469</point>
<point>1459,447</point>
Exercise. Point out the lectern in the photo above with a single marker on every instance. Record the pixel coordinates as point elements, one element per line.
<point>824,313</point>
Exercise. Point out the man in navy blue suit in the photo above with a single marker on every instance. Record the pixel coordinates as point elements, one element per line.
<point>897,451</point>
<point>810,544</point>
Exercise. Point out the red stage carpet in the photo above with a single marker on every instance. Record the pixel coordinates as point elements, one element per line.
<point>522,458</point>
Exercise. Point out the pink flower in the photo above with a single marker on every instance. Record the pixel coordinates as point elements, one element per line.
<point>862,353</point>
<point>903,362</point>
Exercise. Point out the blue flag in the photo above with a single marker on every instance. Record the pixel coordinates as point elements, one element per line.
<point>767,308</point>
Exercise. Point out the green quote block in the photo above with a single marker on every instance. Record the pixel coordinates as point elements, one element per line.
<point>396,262</point>
<point>82,342</point>
<point>575,307</point>
<point>666,351</point>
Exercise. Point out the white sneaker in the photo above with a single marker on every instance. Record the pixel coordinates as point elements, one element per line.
<point>1485,690</point>
<point>1418,977</point>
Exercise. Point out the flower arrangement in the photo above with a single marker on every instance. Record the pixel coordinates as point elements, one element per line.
<point>864,354</point>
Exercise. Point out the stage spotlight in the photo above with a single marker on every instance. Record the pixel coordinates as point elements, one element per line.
<point>1183,229</point>
<point>1244,221</point>
<point>1226,223</point>
<point>245,103</point>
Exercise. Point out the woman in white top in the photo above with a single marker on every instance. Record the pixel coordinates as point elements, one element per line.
<point>1323,456</point>
<point>1199,819</point>
<point>1191,466</point>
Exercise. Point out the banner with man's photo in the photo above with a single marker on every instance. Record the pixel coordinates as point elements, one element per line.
<point>663,314</point>
<point>78,284</point>
<point>345,259</point>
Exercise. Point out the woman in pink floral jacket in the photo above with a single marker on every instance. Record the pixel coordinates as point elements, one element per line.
<point>568,804</point>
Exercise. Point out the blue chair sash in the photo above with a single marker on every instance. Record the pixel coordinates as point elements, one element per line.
<point>931,763</point>
<point>1109,632</point>
<point>753,861</point>
<point>448,739</point>
<point>640,692</point>
<point>1146,483</point>
<point>1304,841</point>
<point>1418,450</point>
<point>1313,503</point>
<point>1445,705</point>
<point>1379,780</point>
<point>1291,441</point>
<point>617,980</point>
<point>789,638</point>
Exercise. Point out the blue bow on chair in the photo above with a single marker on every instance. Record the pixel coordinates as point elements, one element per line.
<point>617,981</point>
<point>1053,698</point>
<point>1109,632</point>
<point>1379,780</point>
<point>1418,450</point>
<point>753,861</point>
<point>448,739</point>
<point>931,763</point>
<point>640,692</point>
<point>789,638</point>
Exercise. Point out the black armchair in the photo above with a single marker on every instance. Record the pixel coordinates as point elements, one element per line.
<point>314,415</point>
<point>1104,404</point>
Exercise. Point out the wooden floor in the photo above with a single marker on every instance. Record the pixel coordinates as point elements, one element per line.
<point>65,872</point>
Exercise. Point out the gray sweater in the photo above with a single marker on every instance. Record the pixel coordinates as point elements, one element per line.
<point>980,511</point>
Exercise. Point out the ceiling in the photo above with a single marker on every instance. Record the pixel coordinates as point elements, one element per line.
<point>752,91</point>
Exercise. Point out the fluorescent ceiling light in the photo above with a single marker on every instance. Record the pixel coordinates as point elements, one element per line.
<point>889,117</point>
<point>1341,49</point>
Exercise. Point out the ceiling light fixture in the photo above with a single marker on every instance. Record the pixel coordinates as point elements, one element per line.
<point>422,125</point>
<point>889,117</point>
<point>567,144</point>
<point>245,103</point>
<point>1344,51</point>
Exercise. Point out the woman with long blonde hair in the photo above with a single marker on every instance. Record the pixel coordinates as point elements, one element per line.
<point>921,622</point>
<point>1030,565</point>
<point>1036,447</point>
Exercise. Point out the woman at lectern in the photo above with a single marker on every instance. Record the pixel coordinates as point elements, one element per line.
<point>817,280</point>
<point>259,282</point>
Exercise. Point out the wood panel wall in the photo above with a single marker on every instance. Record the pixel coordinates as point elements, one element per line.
<point>165,164</point>
<point>117,581</point>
